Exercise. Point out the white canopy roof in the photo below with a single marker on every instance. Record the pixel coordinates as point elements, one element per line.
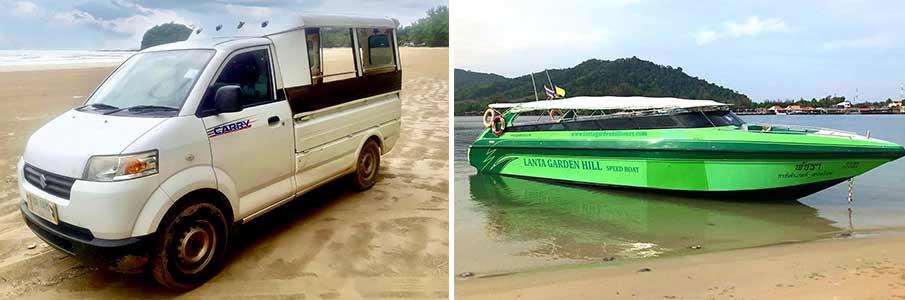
<point>320,20</point>
<point>608,103</point>
<point>281,23</point>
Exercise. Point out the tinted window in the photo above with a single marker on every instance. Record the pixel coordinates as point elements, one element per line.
<point>251,72</point>
<point>724,118</point>
<point>692,120</point>
<point>656,122</point>
<point>680,120</point>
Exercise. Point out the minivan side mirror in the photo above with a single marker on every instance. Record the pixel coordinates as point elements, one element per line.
<point>226,100</point>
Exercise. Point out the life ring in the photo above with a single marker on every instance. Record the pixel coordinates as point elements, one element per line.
<point>498,131</point>
<point>488,121</point>
<point>552,117</point>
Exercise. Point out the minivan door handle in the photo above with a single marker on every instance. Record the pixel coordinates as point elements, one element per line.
<point>273,121</point>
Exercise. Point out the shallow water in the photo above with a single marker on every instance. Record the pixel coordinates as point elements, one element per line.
<point>505,224</point>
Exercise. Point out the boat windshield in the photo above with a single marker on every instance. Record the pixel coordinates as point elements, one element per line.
<point>684,119</point>
<point>150,84</point>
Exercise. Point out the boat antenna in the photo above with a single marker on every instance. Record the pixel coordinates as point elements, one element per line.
<point>534,87</point>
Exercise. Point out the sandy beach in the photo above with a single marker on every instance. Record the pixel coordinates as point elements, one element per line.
<point>388,242</point>
<point>848,268</point>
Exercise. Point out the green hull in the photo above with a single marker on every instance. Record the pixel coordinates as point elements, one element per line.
<point>720,159</point>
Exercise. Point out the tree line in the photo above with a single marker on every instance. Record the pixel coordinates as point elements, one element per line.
<point>594,77</point>
<point>430,31</point>
<point>825,102</point>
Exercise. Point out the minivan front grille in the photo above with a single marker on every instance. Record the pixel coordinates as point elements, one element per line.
<point>57,185</point>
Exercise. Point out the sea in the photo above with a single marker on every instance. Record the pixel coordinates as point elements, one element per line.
<point>506,224</point>
<point>13,60</point>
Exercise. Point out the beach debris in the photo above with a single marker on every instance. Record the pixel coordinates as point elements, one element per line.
<point>696,247</point>
<point>845,234</point>
<point>31,246</point>
<point>851,185</point>
<point>644,270</point>
<point>609,258</point>
<point>466,274</point>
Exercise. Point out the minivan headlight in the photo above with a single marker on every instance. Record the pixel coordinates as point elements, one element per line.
<point>121,167</point>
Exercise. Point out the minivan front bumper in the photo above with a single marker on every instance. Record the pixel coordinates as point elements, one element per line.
<point>128,255</point>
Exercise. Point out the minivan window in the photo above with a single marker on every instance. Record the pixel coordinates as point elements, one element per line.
<point>251,72</point>
<point>338,60</point>
<point>152,79</point>
<point>376,50</point>
<point>313,41</point>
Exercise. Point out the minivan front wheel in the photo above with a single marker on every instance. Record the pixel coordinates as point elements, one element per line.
<point>366,166</point>
<point>191,247</point>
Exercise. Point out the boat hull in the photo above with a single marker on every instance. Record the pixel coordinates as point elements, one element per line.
<point>690,166</point>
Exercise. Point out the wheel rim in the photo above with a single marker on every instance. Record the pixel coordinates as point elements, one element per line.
<point>367,165</point>
<point>196,247</point>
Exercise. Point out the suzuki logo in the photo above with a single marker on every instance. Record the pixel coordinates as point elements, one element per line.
<point>42,180</point>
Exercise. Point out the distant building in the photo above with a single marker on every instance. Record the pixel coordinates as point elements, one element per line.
<point>844,104</point>
<point>794,109</point>
<point>776,108</point>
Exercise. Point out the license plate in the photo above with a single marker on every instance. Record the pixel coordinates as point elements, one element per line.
<point>45,209</point>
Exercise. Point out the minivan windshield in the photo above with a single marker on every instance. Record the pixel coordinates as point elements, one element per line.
<point>150,83</point>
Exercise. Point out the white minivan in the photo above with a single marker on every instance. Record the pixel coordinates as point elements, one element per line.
<point>185,141</point>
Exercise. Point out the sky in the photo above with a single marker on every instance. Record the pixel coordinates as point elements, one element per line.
<point>120,24</point>
<point>764,49</point>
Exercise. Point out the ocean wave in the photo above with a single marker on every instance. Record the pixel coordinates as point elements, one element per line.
<point>50,57</point>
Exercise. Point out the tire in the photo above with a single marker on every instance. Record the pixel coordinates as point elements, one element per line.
<point>191,246</point>
<point>366,166</point>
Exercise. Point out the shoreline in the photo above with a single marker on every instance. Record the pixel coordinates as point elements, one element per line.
<point>36,67</point>
<point>872,265</point>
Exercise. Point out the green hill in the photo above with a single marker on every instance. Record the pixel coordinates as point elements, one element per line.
<point>594,77</point>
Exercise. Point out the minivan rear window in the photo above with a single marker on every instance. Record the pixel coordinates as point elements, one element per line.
<point>376,50</point>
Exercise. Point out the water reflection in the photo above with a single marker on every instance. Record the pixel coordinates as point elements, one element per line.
<point>588,223</point>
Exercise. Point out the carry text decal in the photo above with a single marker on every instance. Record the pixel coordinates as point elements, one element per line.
<point>229,128</point>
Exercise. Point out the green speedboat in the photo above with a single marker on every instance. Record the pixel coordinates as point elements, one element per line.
<point>669,144</point>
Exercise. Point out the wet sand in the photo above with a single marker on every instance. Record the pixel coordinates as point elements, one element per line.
<point>388,242</point>
<point>849,268</point>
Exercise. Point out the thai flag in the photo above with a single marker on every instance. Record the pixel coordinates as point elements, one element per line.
<point>550,92</point>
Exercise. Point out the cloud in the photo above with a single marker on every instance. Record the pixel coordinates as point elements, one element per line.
<point>864,42</point>
<point>496,36</point>
<point>125,20</point>
<point>111,10</point>
<point>754,25</point>
<point>21,9</point>
<point>249,12</point>
<point>704,36</point>
<point>27,8</point>
<point>750,27</point>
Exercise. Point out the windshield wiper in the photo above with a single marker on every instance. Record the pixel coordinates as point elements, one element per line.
<point>143,108</point>
<point>97,106</point>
